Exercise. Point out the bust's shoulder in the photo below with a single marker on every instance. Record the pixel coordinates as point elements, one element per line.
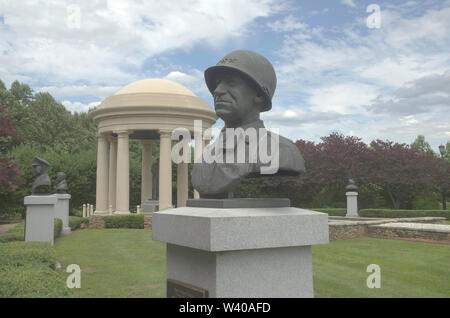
<point>285,143</point>
<point>290,157</point>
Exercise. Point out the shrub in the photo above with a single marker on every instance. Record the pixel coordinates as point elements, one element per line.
<point>23,253</point>
<point>57,228</point>
<point>27,270</point>
<point>76,212</point>
<point>131,221</point>
<point>32,281</point>
<point>386,213</point>
<point>332,211</point>
<point>75,222</point>
<point>16,233</point>
<point>12,213</point>
<point>425,201</point>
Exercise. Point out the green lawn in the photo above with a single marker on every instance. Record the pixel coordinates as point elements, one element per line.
<point>127,263</point>
<point>115,262</point>
<point>408,269</point>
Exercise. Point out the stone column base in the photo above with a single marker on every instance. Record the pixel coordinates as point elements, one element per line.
<point>121,212</point>
<point>102,213</point>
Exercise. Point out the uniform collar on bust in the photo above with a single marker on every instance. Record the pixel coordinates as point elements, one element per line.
<point>254,124</point>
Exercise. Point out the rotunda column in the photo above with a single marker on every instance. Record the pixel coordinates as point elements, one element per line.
<point>112,172</point>
<point>165,171</point>
<point>182,180</point>
<point>101,196</point>
<point>146,172</point>
<point>123,173</point>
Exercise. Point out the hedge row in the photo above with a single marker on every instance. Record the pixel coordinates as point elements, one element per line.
<point>75,222</point>
<point>17,233</point>
<point>387,213</point>
<point>27,270</point>
<point>22,253</point>
<point>130,221</point>
<point>31,281</point>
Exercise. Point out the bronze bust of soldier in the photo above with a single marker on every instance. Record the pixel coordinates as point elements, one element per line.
<point>61,187</point>
<point>242,84</point>
<point>42,183</point>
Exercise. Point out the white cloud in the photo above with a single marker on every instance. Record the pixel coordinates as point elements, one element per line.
<point>114,37</point>
<point>349,3</point>
<point>289,23</point>
<point>81,90</point>
<point>426,94</point>
<point>345,98</point>
<point>344,69</point>
<point>295,118</point>
<point>193,80</point>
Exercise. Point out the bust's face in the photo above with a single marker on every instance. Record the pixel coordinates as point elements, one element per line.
<point>37,170</point>
<point>234,97</point>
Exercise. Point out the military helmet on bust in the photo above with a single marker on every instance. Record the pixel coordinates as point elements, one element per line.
<point>254,66</point>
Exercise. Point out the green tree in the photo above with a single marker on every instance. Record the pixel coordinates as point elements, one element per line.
<point>50,124</point>
<point>423,146</point>
<point>15,102</point>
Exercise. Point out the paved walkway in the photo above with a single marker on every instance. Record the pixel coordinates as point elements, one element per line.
<point>444,228</point>
<point>6,227</point>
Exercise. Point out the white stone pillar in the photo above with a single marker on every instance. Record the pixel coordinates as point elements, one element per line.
<point>102,175</point>
<point>182,180</point>
<point>112,173</point>
<point>352,204</point>
<point>146,172</point>
<point>123,174</point>
<point>165,171</point>
<point>39,221</point>
<point>84,210</point>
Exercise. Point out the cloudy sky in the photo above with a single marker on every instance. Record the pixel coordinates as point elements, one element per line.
<point>339,67</point>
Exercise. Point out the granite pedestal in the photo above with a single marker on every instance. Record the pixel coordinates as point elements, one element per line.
<point>240,252</point>
<point>352,204</point>
<point>62,211</point>
<point>40,217</point>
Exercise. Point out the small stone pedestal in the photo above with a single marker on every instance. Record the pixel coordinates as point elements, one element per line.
<point>62,211</point>
<point>40,215</point>
<point>240,252</point>
<point>149,206</point>
<point>352,204</point>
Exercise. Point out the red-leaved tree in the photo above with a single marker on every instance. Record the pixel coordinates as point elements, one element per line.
<point>403,171</point>
<point>336,159</point>
<point>331,163</point>
<point>9,172</point>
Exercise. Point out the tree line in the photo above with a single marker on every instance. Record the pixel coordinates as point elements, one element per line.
<point>389,174</point>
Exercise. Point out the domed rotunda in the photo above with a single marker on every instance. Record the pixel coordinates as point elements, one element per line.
<point>149,110</point>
